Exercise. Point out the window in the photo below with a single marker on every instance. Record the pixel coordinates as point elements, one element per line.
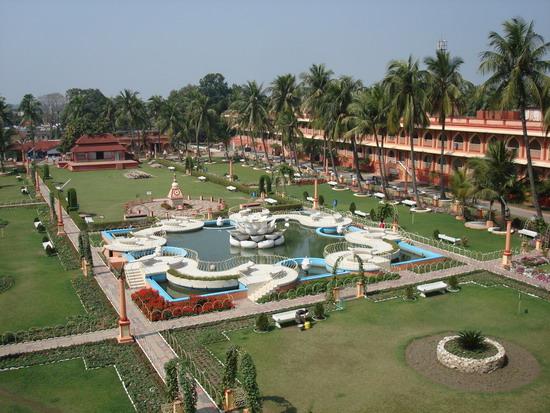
<point>427,161</point>
<point>513,144</point>
<point>475,143</point>
<point>428,139</point>
<point>458,143</point>
<point>535,149</point>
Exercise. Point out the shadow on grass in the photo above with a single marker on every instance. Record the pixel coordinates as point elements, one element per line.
<point>282,403</point>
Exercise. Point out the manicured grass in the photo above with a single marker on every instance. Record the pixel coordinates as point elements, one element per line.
<point>105,192</point>
<point>245,174</point>
<point>42,294</point>
<point>355,360</point>
<point>64,386</point>
<point>424,224</point>
<point>10,188</point>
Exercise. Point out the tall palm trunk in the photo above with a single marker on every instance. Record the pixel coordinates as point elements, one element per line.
<point>254,146</point>
<point>381,165</point>
<point>264,143</point>
<point>242,144</point>
<point>158,148</point>
<point>441,167</point>
<point>356,161</point>
<point>197,129</point>
<point>332,161</point>
<point>534,195</point>
<point>415,188</point>
<point>384,173</point>
<point>208,148</point>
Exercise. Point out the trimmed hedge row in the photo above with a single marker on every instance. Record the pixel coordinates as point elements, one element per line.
<point>147,393</point>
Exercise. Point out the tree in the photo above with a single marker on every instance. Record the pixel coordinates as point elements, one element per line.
<point>462,187</point>
<point>171,373</point>
<point>517,69</point>
<point>6,132</point>
<point>52,105</point>
<point>407,87</point>
<point>72,200</point>
<point>203,118</point>
<point>172,120</point>
<point>250,384</point>
<point>445,84</point>
<point>155,107</point>
<point>215,88</point>
<point>131,112</point>
<point>187,389</point>
<point>230,371</point>
<point>32,114</point>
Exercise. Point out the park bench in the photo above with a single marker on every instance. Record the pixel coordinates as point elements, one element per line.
<point>379,195</point>
<point>528,233</point>
<point>271,201</point>
<point>231,188</point>
<point>438,286</point>
<point>286,317</point>
<point>447,238</point>
<point>37,224</point>
<point>409,202</point>
<point>47,244</point>
<point>310,199</point>
<point>361,213</point>
<point>202,178</point>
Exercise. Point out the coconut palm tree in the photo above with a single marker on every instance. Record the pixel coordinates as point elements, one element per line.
<point>462,188</point>
<point>287,123</point>
<point>155,106</point>
<point>407,87</point>
<point>172,120</point>
<point>32,114</point>
<point>517,67</point>
<point>315,83</point>
<point>5,134</point>
<point>130,112</point>
<point>444,93</point>
<point>252,106</point>
<point>203,117</point>
<point>108,111</point>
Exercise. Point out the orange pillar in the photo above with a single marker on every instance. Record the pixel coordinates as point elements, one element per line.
<point>315,195</point>
<point>231,170</point>
<point>507,256</point>
<point>124,335</point>
<point>60,226</point>
<point>37,184</point>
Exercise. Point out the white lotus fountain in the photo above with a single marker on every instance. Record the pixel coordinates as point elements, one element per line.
<point>255,230</point>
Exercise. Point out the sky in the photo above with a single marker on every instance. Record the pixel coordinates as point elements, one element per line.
<point>157,46</point>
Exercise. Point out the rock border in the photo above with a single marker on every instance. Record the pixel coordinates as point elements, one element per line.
<point>470,365</point>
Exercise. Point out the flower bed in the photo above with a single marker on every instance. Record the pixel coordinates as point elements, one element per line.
<point>533,266</point>
<point>157,308</point>
<point>486,364</point>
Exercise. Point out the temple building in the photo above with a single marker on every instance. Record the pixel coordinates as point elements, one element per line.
<point>175,196</point>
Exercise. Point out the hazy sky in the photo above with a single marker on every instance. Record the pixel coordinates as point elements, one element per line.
<point>156,46</point>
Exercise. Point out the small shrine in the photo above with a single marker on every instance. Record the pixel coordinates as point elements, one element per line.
<point>175,196</point>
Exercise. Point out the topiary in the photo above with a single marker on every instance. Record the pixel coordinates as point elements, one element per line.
<point>46,172</point>
<point>319,311</point>
<point>321,200</point>
<point>230,371</point>
<point>305,195</point>
<point>72,199</point>
<point>253,400</point>
<point>436,234</point>
<point>409,293</point>
<point>171,373</point>
<point>352,207</point>
<point>262,322</point>
<point>453,282</point>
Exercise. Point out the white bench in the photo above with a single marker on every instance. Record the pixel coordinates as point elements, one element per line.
<point>202,178</point>
<point>379,195</point>
<point>447,238</point>
<point>409,202</point>
<point>271,201</point>
<point>361,213</point>
<point>286,317</point>
<point>88,220</point>
<point>47,244</point>
<point>231,188</point>
<point>332,183</point>
<point>310,199</point>
<point>438,286</point>
<point>528,233</point>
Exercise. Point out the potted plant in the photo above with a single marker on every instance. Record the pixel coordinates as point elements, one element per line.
<point>409,293</point>
<point>453,284</point>
<point>262,323</point>
<point>319,312</point>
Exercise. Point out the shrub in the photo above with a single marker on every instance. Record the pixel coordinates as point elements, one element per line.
<point>321,200</point>
<point>319,311</point>
<point>464,241</point>
<point>253,400</point>
<point>352,207</point>
<point>373,214</point>
<point>436,234</point>
<point>50,250</point>
<point>262,322</point>
<point>261,184</point>
<point>453,282</point>
<point>230,371</point>
<point>72,200</point>
<point>41,228</point>
<point>268,184</point>
<point>45,238</point>
<point>471,340</point>
<point>171,371</point>
<point>305,195</point>
<point>46,172</point>
<point>409,293</point>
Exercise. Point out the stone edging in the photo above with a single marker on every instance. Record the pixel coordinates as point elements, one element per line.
<point>468,365</point>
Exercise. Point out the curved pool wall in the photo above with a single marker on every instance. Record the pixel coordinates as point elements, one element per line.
<point>110,233</point>
<point>213,224</point>
<point>166,250</point>
<point>154,279</point>
<point>425,255</point>
<point>331,232</point>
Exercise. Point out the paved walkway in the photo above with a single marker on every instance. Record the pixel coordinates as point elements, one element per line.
<point>159,352</point>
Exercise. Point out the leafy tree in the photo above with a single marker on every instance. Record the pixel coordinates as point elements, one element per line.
<point>171,372</point>
<point>187,389</point>
<point>215,88</point>
<point>6,121</point>
<point>445,85</point>
<point>32,114</point>
<point>230,371</point>
<point>517,66</point>
<point>155,107</point>
<point>203,118</point>
<point>250,384</point>
<point>130,112</point>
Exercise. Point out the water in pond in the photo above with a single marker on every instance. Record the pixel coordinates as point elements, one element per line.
<point>176,291</point>
<point>213,244</point>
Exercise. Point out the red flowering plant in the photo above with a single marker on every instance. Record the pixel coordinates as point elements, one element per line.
<point>157,308</point>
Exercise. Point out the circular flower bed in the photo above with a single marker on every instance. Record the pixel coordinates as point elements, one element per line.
<point>451,355</point>
<point>6,283</point>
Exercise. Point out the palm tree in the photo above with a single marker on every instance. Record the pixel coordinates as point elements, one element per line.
<point>203,118</point>
<point>172,119</point>
<point>32,113</point>
<point>284,103</point>
<point>462,188</point>
<point>495,174</point>
<point>253,113</point>
<point>155,106</point>
<point>407,87</point>
<point>108,112</point>
<point>518,68</point>
<point>130,111</point>
<point>315,84</point>
<point>5,134</point>
<point>444,94</point>
<point>334,109</point>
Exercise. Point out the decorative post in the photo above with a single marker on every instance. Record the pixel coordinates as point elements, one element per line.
<point>538,244</point>
<point>507,256</point>
<point>336,294</point>
<point>395,224</point>
<point>60,225</point>
<point>124,335</point>
<point>231,170</point>
<point>360,289</point>
<point>315,194</point>
<point>229,400</point>
<point>37,184</point>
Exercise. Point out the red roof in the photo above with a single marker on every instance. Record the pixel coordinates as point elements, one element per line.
<point>98,148</point>
<point>45,146</point>
<point>96,139</point>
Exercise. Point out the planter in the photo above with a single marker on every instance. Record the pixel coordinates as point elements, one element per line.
<point>453,290</point>
<point>470,365</point>
<point>420,210</point>
<point>318,319</point>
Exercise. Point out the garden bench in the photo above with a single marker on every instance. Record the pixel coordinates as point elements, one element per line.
<point>438,286</point>
<point>409,202</point>
<point>310,199</point>
<point>286,317</point>
<point>528,233</point>
<point>231,188</point>
<point>271,201</point>
<point>361,213</point>
<point>202,178</point>
<point>47,244</point>
<point>447,238</point>
<point>88,220</point>
<point>379,195</point>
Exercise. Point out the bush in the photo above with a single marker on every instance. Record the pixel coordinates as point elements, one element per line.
<point>436,234</point>
<point>453,282</point>
<point>373,214</point>
<point>72,200</point>
<point>46,172</point>
<point>464,241</point>
<point>352,207</point>
<point>262,322</point>
<point>319,311</point>
<point>41,228</point>
<point>45,238</point>
<point>305,195</point>
<point>409,293</point>
<point>321,200</point>
<point>471,340</point>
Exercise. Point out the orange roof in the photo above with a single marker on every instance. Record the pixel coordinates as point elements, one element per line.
<point>98,148</point>
<point>45,146</point>
<point>106,138</point>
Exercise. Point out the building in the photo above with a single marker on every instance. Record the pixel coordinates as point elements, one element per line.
<point>98,152</point>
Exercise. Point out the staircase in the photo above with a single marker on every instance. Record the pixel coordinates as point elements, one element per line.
<point>135,276</point>
<point>265,289</point>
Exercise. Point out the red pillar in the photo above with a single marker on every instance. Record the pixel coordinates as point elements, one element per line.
<point>124,335</point>
<point>60,225</point>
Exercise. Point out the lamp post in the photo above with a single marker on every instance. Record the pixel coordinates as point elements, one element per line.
<point>60,225</point>
<point>507,256</point>
<point>315,195</point>
<point>124,335</point>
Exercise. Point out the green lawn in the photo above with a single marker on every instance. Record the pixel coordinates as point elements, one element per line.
<point>62,387</point>
<point>424,224</point>
<point>104,193</point>
<point>245,174</point>
<point>42,294</point>
<point>10,189</point>
<point>354,361</point>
